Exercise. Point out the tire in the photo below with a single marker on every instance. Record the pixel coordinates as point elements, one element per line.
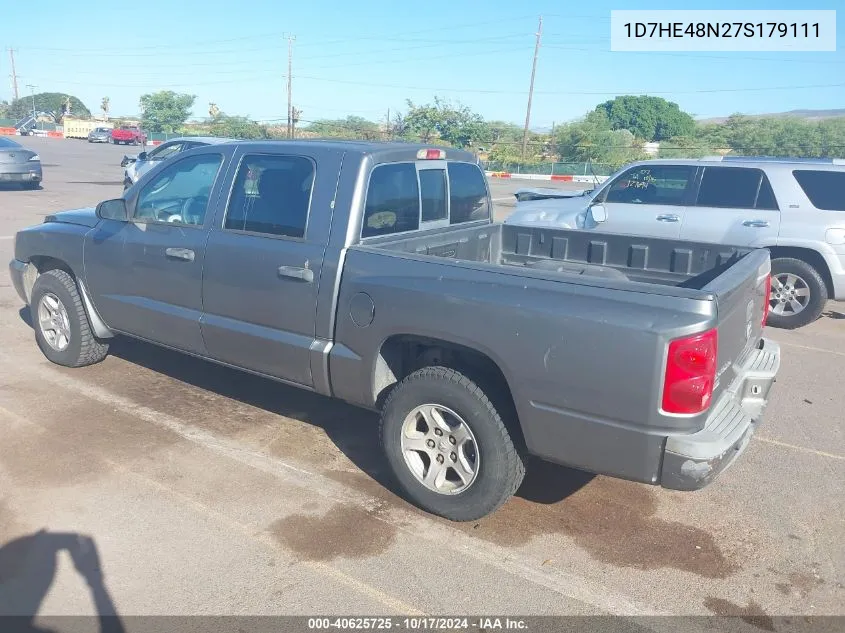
<point>498,468</point>
<point>795,276</point>
<point>82,348</point>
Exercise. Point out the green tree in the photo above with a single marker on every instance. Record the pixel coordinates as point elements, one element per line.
<point>352,127</point>
<point>237,127</point>
<point>4,110</point>
<point>50,104</point>
<point>455,124</point>
<point>165,111</point>
<point>594,140</point>
<point>649,118</point>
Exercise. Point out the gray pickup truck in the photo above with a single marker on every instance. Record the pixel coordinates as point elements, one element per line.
<point>373,273</point>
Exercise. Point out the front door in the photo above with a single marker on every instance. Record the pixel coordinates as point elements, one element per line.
<point>264,262</point>
<point>146,274</point>
<point>647,201</point>
<point>734,206</point>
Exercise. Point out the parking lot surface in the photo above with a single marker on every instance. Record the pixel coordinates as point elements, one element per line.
<point>210,491</point>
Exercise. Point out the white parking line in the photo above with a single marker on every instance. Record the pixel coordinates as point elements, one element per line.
<point>803,449</point>
<point>7,237</point>
<point>502,199</point>
<point>812,349</point>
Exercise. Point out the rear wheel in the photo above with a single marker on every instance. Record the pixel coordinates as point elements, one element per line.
<point>799,294</point>
<point>62,329</point>
<point>448,446</point>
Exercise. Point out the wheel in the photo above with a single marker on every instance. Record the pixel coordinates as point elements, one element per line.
<point>447,445</point>
<point>61,325</point>
<point>799,294</point>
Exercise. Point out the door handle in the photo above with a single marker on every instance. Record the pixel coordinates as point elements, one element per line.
<point>759,224</point>
<point>668,217</point>
<point>180,253</point>
<point>297,272</point>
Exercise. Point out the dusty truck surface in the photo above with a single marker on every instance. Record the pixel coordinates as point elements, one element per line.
<point>373,273</point>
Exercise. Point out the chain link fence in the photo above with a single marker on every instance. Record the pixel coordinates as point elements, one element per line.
<point>553,169</point>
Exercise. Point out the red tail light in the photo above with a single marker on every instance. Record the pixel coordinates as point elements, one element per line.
<point>690,373</point>
<point>768,297</point>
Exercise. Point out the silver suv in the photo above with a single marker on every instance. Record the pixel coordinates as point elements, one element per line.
<point>794,207</point>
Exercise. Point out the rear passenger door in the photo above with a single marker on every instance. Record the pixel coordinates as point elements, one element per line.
<point>735,206</point>
<point>647,200</point>
<point>264,261</point>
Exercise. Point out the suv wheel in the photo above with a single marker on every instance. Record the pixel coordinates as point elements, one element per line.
<point>447,445</point>
<point>799,294</point>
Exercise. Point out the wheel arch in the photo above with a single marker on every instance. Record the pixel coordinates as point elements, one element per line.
<point>400,355</point>
<point>808,255</point>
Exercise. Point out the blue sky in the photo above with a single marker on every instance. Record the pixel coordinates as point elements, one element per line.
<point>364,58</point>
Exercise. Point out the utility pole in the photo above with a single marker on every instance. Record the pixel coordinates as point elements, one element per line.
<point>531,87</point>
<point>14,74</point>
<point>291,38</point>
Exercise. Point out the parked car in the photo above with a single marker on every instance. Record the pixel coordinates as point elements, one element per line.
<point>795,208</point>
<point>19,164</point>
<point>128,135</point>
<point>137,166</point>
<point>373,273</point>
<point>100,135</point>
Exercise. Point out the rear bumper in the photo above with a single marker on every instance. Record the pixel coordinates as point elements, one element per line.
<point>20,173</point>
<point>690,462</point>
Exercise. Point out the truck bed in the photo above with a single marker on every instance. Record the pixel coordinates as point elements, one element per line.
<point>563,254</point>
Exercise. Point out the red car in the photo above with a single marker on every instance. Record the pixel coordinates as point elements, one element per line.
<point>128,134</point>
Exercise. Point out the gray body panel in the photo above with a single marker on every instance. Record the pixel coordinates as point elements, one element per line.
<point>578,323</point>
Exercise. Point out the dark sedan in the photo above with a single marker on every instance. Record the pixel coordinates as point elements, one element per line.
<point>18,164</point>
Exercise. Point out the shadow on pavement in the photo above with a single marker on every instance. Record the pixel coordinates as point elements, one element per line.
<point>28,568</point>
<point>353,430</point>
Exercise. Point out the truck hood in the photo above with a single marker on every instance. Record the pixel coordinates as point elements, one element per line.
<point>560,213</point>
<point>83,217</point>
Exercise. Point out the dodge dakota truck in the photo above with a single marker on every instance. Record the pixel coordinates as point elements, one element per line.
<point>373,273</point>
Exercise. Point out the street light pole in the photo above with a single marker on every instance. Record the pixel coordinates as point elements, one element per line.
<point>32,92</point>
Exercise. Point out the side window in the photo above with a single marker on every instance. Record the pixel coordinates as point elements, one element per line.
<point>271,195</point>
<point>467,194</point>
<point>729,187</point>
<point>823,188</point>
<point>766,197</point>
<point>657,184</point>
<point>433,190</point>
<point>164,151</point>
<point>393,200</point>
<point>180,192</point>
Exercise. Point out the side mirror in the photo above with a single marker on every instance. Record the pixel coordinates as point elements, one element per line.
<point>142,156</point>
<point>113,210</point>
<point>599,213</point>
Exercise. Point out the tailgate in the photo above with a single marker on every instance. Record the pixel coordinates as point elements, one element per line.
<point>741,300</point>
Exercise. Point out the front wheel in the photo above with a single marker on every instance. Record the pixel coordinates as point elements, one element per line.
<point>62,330</point>
<point>799,294</point>
<point>448,446</point>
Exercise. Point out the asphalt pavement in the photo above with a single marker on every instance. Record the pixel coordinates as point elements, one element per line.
<point>209,491</point>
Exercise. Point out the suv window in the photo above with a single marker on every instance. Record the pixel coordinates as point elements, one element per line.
<point>823,188</point>
<point>180,192</point>
<point>735,187</point>
<point>467,194</point>
<point>651,184</point>
<point>271,195</point>
<point>393,200</point>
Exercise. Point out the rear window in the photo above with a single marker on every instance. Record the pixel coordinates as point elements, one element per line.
<point>735,187</point>
<point>399,198</point>
<point>825,189</point>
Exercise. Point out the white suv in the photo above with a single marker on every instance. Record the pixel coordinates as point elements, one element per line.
<point>794,207</point>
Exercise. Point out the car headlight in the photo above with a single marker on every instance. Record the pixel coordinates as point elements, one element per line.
<point>35,157</point>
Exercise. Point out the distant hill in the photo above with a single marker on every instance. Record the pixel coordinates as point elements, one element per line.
<point>809,115</point>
